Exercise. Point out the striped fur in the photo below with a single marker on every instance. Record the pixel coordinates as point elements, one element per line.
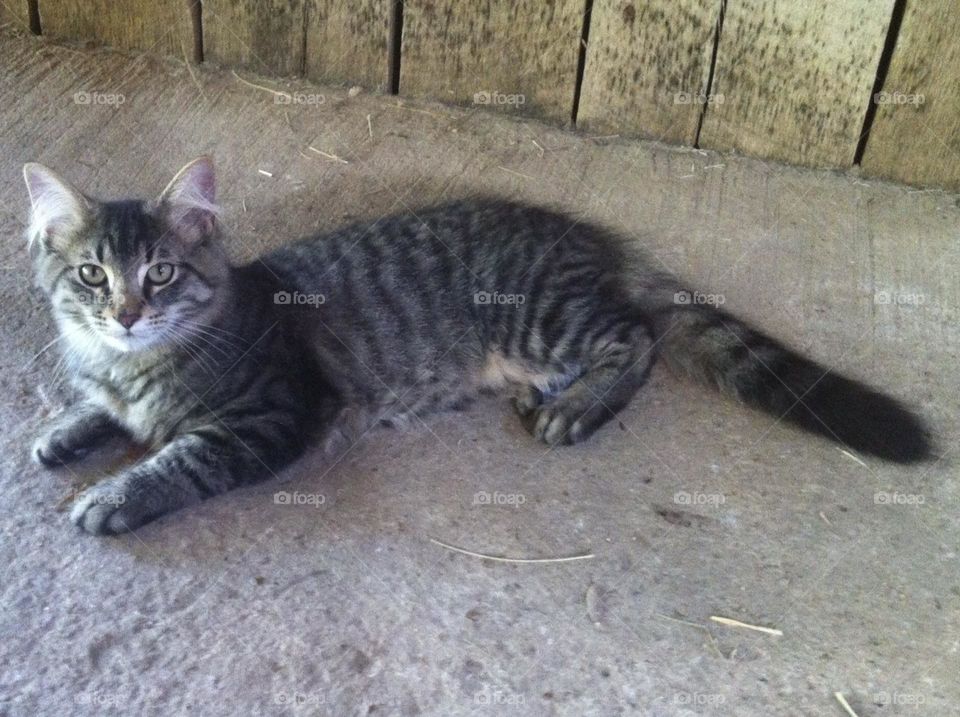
<point>237,369</point>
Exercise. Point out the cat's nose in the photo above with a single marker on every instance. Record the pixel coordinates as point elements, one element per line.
<point>128,318</point>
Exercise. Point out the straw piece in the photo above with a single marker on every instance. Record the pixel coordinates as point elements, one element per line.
<point>852,457</point>
<point>843,703</point>
<point>519,174</point>
<point>736,623</point>
<point>261,87</point>
<point>327,155</point>
<point>500,559</point>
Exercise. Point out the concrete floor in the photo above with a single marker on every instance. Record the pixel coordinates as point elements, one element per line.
<point>245,606</point>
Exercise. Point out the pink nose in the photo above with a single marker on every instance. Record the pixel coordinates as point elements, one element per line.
<point>127,318</point>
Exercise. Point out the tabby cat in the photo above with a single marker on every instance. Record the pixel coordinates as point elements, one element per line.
<point>230,372</point>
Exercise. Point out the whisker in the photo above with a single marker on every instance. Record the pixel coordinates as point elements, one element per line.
<point>193,333</point>
<point>226,334</point>
<point>192,350</point>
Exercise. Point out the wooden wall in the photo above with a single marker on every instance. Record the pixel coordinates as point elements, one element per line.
<point>818,83</point>
<point>795,78</point>
<point>510,55</point>
<point>647,66</point>
<point>15,13</point>
<point>160,26</point>
<point>915,137</point>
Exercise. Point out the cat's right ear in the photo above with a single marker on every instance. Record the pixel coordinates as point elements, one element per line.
<point>189,203</point>
<point>57,210</point>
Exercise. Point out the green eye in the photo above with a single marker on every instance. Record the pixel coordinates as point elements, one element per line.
<point>160,273</point>
<point>93,275</point>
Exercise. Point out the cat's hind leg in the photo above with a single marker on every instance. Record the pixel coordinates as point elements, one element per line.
<point>614,372</point>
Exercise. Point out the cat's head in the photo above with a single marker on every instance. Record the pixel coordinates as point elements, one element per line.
<point>130,275</point>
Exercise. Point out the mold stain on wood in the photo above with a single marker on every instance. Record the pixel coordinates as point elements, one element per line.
<point>647,65</point>
<point>795,79</point>
<point>515,57</point>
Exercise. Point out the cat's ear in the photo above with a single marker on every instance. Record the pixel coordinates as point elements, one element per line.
<point>57,209</point>
<point>189,203</point>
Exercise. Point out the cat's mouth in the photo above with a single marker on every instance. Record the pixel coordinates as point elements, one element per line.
<point>129,342</point>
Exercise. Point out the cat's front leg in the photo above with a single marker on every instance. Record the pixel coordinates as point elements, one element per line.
<point>73,434</point>
<point>206,461</point>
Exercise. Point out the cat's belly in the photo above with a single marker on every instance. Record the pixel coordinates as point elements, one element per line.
<point>498,372</point>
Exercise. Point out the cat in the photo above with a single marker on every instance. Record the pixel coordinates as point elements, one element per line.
<point>231,372</point>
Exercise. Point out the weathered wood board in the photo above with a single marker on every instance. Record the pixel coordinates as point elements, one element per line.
<point>347,42</point>
<point>163,27</point>
<point>795,78</point>
<point>647,67</point>
<point>15,13</point>
<point>915,136</point>
<point>266,36</point>
<point>518,56</point>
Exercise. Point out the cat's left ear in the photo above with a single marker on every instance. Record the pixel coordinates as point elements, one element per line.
<point>189,203</point>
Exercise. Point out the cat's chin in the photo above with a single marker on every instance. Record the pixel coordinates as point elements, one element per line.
<point>128,344</point>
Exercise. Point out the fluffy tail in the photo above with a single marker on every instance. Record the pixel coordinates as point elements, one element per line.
<point>699,340</point>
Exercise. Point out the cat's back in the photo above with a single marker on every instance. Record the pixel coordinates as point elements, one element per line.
<point>471,236</point>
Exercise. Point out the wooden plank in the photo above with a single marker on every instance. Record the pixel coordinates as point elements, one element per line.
<point>15,13</point>
<point>160,26</point>
<point>265,36</point>
<point>795,78</point>
<point>915,137</point>
<point>647,67</point>
<point>518,56</point>
<point>347,42</point>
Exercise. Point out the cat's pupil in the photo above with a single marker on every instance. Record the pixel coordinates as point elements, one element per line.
<point>92,274</point>
<point>160,273</point>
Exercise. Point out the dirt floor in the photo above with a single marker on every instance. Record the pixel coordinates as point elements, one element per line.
<point>691,507</point>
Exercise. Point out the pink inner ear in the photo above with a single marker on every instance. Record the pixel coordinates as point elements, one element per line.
<point>56,207</point>
<point>206,182</point>
<point>191,201</point>
<point>195,186</point>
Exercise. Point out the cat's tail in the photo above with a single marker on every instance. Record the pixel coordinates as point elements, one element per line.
<point>700,340</point>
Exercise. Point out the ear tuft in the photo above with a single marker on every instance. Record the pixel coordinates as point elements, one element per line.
<point>189,201</point>
<point>57,209</point>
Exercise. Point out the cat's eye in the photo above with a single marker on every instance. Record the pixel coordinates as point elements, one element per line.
<point>160,273</point>
<point>92,275</point>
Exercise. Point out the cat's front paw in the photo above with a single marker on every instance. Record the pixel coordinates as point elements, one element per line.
<point>55,449</point>
<point>109,508</point>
